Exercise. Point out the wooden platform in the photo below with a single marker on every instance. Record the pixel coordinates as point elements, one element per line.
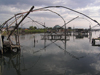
<point>94,40</point>
<point>10,46</point>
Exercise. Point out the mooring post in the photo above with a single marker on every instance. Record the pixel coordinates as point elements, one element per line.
<point>65,31</point>
<point>93,41</point>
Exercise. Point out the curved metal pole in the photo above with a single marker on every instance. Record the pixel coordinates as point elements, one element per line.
<point>52,12</point>
<point>62,7</point>
<point>36,22</point>
<point>71,20</point>
<point>9,20</point>
<point>32,11</point>
<point>14,21</point>
<point>55,13</point>
<point>94,26</point>
<point>25,23</point>
<point>74,11</point>
<point>53,7</point>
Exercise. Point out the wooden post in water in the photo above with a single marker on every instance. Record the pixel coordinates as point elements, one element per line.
<point>1,45</point>
<point>93,41</point>
<point>17,36</point>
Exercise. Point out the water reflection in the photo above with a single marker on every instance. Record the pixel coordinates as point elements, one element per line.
<point>22,37</point>
<point>80,36</point>
<point>55,39</point>
<point>32,66</point>
<point>9,61</point>
<point>52,57</point>
<point>15,61</point>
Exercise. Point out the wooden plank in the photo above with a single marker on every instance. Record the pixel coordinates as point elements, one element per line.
<point>15,46</point>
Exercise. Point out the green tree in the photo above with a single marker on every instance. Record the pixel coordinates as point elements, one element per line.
<point>69,28</point>
<point>31,28</point>
<point>35,27</point>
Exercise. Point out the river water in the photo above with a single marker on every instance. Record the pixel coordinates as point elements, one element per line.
<point>75,56</point>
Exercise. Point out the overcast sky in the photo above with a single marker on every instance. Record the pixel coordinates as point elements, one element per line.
<point>89,7</point>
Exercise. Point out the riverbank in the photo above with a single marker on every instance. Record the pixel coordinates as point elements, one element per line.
<point>28,31</point>
<point>33,31</point>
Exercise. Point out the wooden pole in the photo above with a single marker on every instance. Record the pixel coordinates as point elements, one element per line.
<point>20,21</point>
<point>1,44</point>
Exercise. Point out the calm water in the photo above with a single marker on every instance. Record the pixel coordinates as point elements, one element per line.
<point>45,57</point>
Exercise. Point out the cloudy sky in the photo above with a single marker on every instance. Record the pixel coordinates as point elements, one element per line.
<point>89,7</point>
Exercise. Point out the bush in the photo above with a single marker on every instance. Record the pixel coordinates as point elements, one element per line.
<point>35,31</point>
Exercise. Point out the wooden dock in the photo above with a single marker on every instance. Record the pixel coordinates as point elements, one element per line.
<point>53,37</point>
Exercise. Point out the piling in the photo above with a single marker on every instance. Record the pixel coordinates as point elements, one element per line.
<point>93,41</point>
